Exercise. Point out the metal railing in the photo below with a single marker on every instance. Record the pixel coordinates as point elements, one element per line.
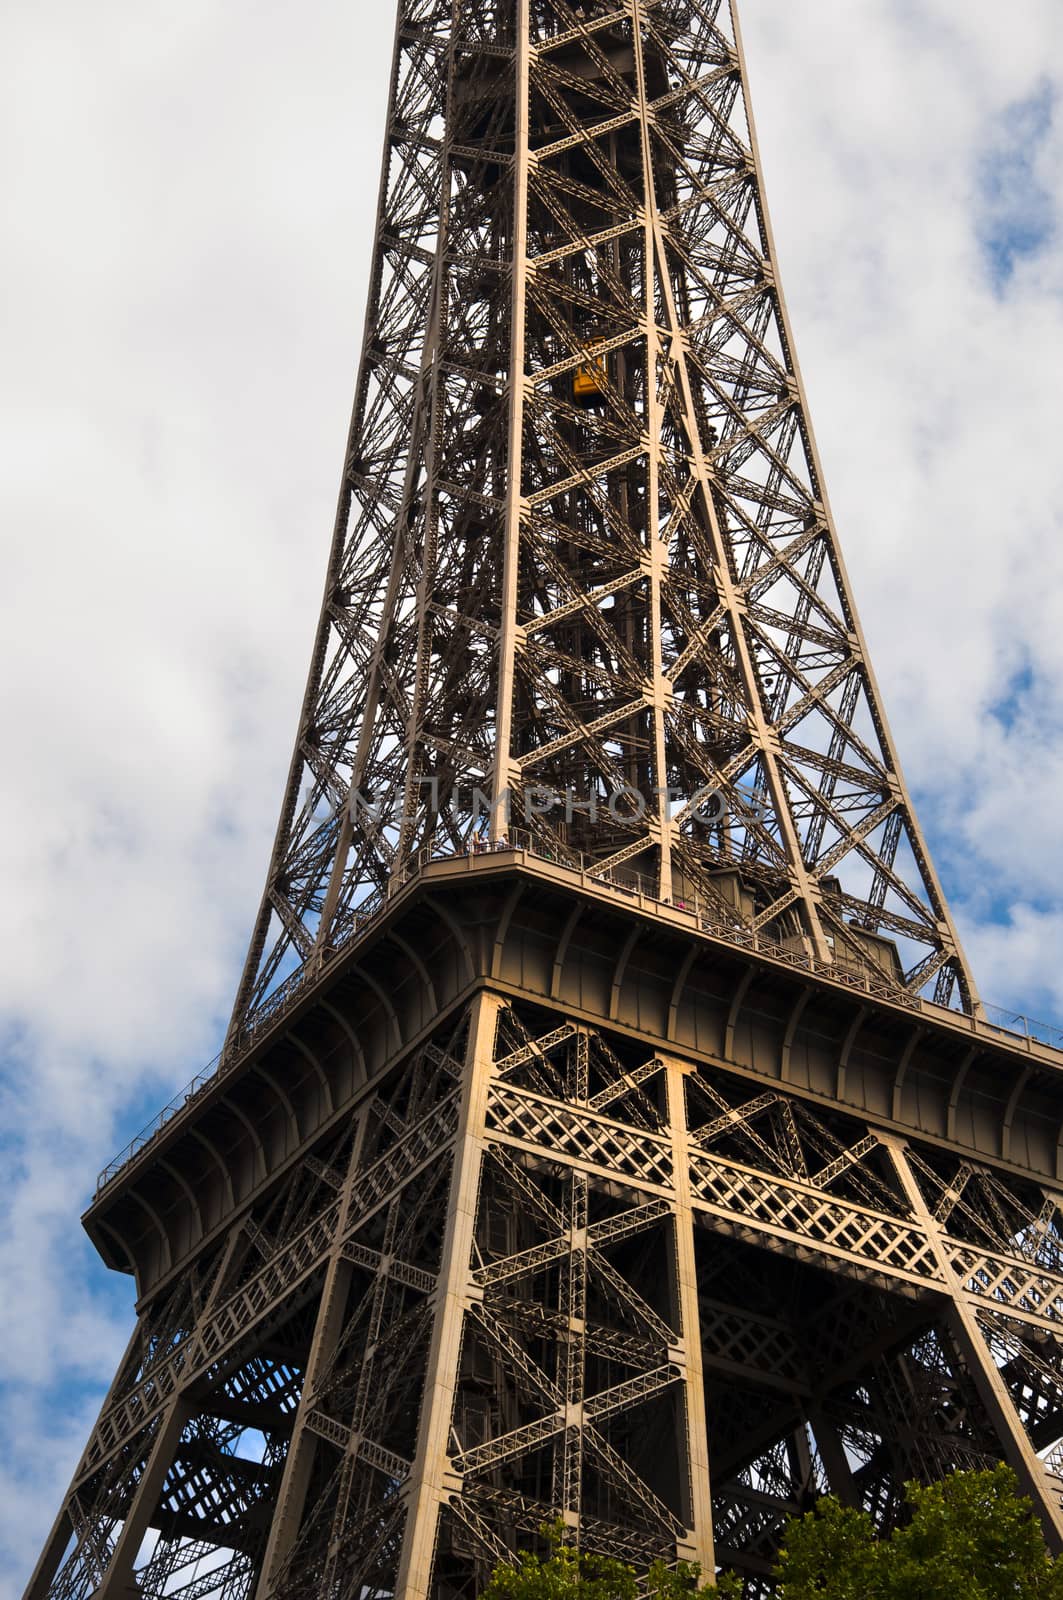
<point>623,879</point>
<point>181,1099</point>
<point>1013,1022</point>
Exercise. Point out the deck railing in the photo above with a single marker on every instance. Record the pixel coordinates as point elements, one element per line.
<point>626,881</point>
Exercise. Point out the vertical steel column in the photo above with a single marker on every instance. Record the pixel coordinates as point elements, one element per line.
<point>656,554</point>
<point>506,771</point>
<point>568,1474</point>
<point>430,1481</point>
<point>694,1444</point>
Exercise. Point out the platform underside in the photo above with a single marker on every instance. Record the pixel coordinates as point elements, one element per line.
<point>464,1255</point>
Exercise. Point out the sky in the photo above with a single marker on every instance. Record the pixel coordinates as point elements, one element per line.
<point>189,198</point>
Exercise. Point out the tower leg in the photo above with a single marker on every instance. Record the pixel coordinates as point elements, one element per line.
<point>291,1498</point>
<point>832,1452</point>
<point>429,1485</point>
<point>63,1527</point>
<point>568,1475</point>
<point>50,1557</point>
<point>120,1582</point>
<point>694,1448</point>
<point>1015,1443</point>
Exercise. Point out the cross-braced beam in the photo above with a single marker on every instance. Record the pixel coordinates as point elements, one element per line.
<point>583,549</point>
<point>541,1273</point>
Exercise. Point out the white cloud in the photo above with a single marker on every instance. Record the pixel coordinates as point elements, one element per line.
<point>897,142</point>
<point>189,199</point>
<point>188,203</point>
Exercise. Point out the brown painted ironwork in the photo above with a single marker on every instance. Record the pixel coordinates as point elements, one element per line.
<point>581,1147</point>
<point>583,544</point>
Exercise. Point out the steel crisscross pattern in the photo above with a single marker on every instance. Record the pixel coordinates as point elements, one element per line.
<point>1013,1284</point>
<point>571,1134</point>
<point>782,1207</point>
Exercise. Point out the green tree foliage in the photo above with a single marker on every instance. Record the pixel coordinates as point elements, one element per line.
<point>570,1574</point>
<point>969,1537</point>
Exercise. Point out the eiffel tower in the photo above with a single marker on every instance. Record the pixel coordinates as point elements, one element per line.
<point>608,1128</point>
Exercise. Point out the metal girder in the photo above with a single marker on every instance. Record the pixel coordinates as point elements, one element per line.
<point>679,1311</point>
<point>540,1268</point>
<point>582,543</point>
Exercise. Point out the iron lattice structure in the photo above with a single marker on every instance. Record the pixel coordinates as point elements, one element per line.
<point>652,1169</point>
<point>583,546</point>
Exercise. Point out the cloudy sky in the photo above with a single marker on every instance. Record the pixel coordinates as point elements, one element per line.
<point>189,194</point>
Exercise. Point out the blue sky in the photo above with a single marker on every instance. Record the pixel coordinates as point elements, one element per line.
<point>1018,213</point>
<point>189,199</point>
